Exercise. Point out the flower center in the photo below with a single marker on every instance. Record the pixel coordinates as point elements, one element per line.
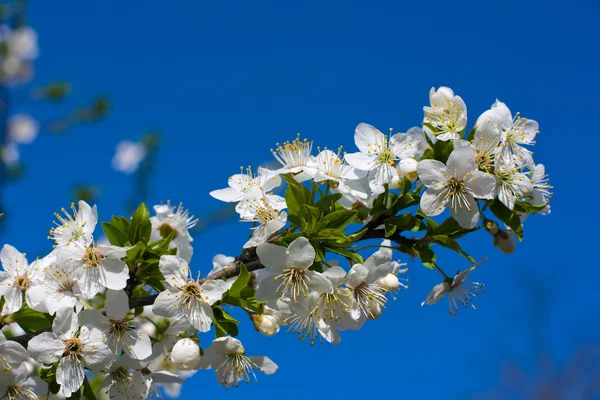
<point>166,229</point>
<point>386,157</point>
<point>330,306</point>
<point>293,154</point>
<point>121,375</point>
<point>73,348</point>
<point>66,286</point>
<point>365,294</point>
<point>93,257</point>
<point>294,283</point>
<point>236,368</point>
<point>191,290</point>
<point>22,282</point>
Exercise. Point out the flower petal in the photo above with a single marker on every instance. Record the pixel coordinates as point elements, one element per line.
<point>116,304</point>
<point>431,172</point>
<point>272,256</point>
<point>45,348</point>
<point>467,215</point>
<point>432,202</point>
<point>300,254</point>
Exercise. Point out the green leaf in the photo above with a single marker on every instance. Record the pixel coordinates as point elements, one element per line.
<point>136,252</point>
<point>408,222</point>
<point>356,236</point>
<point>241,282</point>
<point>224,323</point>
<point>312,215</point>
<point>431,224</point>
<point>452,244</point>
<point>327,203</point>
<point>337,219</point>
<point>390,228</point>
<point>121,223</point>
<point>442,150</point>
<point>164,243</point>
<point>114,235</point>
<point>471,135</point>
<point>406,185</point>
<point>427,256</point>
<point>508,217</point>
<point>294,199</point>
<point>31,320</point>
<point>349,254</point>
<point>524,207</point>
<point>289,238</point>
<point>140,228</point>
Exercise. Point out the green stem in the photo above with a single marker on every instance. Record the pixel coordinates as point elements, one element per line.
<point>437,267</point>
<point>375,245</point>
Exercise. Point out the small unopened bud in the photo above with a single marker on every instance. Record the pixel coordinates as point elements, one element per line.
<point>490,226</point>
<point>265,324</point>
<point>408,168</point>
<point>186,354</point>
<point>390,283</point>
<point>374,310</point>
<point>148,327</point>
<point>505,241</point>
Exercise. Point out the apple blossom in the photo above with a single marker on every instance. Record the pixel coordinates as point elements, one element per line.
<point>18,278</point>
<point>171,219</point>
<point>295,158</point>
<point>78,227</point>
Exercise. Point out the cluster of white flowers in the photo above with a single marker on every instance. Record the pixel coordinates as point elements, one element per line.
<point>132,311</point>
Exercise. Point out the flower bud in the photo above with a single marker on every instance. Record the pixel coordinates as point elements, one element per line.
<point>148,327</point>
<point>265,324</point>
<point>390,283</point>
<point>186,354</point>
<point>490,226</point>
<point>408,168</point>
<point>375,310</point>
<point>505,241</point>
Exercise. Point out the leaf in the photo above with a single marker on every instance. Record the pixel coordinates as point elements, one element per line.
<point>289,238</point>
<point>453,245</point>
<point>224,323</point>
<point>294,199</point>
<point>164,243</point>
<point>31,320</point>
<point>356,236</point>
<point>327,203</point>
<point>349,254</point>
<point>431,224</point>
<point>312,215</point>
<point>136,252</point>
<point>114,235</point>
<point>442,150</point>
<point>508,217</point>
<point>390,228</point>
<point>240,283</point>
<point>408,222</point>
<point>121,223</point>
<point>337,219</point>
<point>524,207</point>
<point>140,228</point>
<point>427,256</point>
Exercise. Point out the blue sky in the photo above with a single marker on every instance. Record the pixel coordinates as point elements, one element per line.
<point>225,82</point>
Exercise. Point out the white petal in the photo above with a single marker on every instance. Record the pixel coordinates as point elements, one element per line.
<point>432,202</point>
<point>481,185</point>
<point>272,256</point>
<point>13,353</point>
<point>300,254</point>
<point>36,297</point>
<point>45,348</point>
<point>13,300</point>
<point>357,275</point>
<point>65,324</point>
<point>318,282</point>
<point>200,315</point>
<point>467,216</point>
<point>431,172</point>
<point>70,375</point>
<point>436,294</point>
<point>366,137</point>
<point>167,303</point>
<point>97,355</point>
<point>114,274</point>
<point>362,161</point>
<point>265,364</point>
<point>116,304</point>
<point>228,195</point>
<point>141,348</point>
<point>461,162</point>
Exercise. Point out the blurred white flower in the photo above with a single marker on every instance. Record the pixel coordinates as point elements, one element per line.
<point>10,155</point>
<point>23,44</point>
<point>22,129</point>
<point>128,156</point>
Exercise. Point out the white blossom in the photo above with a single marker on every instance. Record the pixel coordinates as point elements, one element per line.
<point>96,266</point>
<point>295,158</point>
<point>455,184</point>
<point>288,273</point>
<point>170,219</point>
<point>186,354</point>
<point>120,332</point>
<point>266,215</point>
<point>125,381</point>
<point>185,295</point>
<point>512,183</point>
<point>74,347</point>
<point>228,357</point>
<point>128,156</point>
<point>78,227</point>
<point>12,354</point>
<point>379,153</point>
<point>16,384</point>
<point>461,293</point>
<point>18,278</point>
<point>541,192</point>
<point>447,114</point>
<point>22,129</point>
